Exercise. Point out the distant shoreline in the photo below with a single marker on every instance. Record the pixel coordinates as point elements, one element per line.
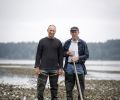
<point>109,50</point>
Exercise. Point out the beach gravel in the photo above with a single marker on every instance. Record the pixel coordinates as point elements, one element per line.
<point>95,90</point>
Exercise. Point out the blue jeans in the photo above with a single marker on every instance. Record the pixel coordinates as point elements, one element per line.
<point>70,80</point>
<point>70,69</point>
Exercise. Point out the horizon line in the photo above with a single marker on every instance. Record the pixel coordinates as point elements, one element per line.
<point>61,41</point>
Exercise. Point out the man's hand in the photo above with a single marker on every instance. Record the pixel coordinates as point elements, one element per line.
<point>70,53</point>
<point>37,71</point>
<point>60,72</point>
<point>74,59</point>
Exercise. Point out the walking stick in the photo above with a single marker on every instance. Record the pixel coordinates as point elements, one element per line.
<point>78,83</point>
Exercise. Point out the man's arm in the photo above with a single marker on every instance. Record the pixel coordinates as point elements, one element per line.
<point>66,53</point>
<point>60,56</point>
<point>86,54</point>
<point>38,58</point>
<point>38,55</point>
<point>60,59</point>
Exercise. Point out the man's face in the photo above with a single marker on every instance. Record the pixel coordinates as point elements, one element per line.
<point>74,35</point>
<point>51,31</point>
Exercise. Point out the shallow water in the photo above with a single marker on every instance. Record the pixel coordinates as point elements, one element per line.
<point>97,70</point>
<point>24,81</point>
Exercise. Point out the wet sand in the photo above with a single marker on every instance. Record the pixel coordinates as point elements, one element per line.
<point>95,90</point>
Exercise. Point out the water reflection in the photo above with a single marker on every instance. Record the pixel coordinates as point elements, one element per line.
<point>20,74</point>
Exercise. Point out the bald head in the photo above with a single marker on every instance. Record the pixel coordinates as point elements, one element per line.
<point>51,31</point>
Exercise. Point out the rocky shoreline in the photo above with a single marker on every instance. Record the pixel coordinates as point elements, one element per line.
<point>95,90</point>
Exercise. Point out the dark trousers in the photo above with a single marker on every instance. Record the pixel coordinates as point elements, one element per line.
<point>41,82</point>
<point>70,80</point>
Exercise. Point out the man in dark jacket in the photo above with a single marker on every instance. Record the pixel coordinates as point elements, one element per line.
<point>75,50</point>
<point>49,62</point>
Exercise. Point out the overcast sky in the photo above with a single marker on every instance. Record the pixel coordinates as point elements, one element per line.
<point>27,20</point>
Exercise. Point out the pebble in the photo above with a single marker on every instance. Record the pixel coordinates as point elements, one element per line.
<point>95,90</point>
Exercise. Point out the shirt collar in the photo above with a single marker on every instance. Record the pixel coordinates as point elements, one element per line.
<point>74,41</point>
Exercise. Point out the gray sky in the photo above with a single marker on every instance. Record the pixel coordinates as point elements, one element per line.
<point>27,20</point>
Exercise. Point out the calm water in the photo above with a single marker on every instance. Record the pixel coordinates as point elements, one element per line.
<point>99,70</point>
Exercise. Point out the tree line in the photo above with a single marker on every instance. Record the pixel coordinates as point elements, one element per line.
<point>109,50</point>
